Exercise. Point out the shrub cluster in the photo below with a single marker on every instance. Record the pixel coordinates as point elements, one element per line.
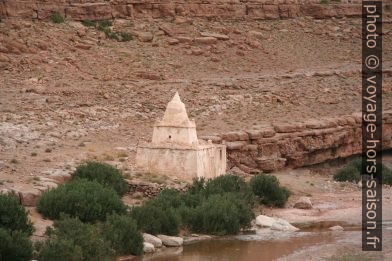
<point>71,239</point>
<point>15,245</point>
<point>352,172</point>
<point>13,216</point>
<point>159,215</point>
<point>219,214</point>
<point>269,191</point>
<point>104,26</point>
<point>219,206</point>
<point>15,229</point>
<point>87,200</point>
<point>104,174</point>
<point>123,235</point>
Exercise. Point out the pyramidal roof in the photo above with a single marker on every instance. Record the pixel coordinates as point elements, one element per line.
<point>175,114</point>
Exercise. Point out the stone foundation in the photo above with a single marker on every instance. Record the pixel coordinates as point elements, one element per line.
<point>182,162</point>
<point>221,9</point>
<point>276,146</point>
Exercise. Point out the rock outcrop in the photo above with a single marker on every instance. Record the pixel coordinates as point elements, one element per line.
<point>276,146</point>
<point>103,9</point>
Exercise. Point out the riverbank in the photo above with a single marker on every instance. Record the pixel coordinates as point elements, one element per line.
<point>334,203</point>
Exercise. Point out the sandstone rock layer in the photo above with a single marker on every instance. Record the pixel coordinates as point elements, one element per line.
<point>101,9</point>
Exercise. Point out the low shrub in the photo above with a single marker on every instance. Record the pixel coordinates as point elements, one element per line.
<point>348,173</point>
<point>87,200</point>
<point>155,219</point>
<point>89,23</point>
<point>220,214</point>
<point>57,18</point>
<point>122,233</point>
<point>269,191</point>
<point>386,175</point>
<point>229,184</point>
<point>59,249</point>
<point>13,215</point>
<point>15,246</point>
<point>104,174</point>
<point>104,24</point>
<point>70,239</point>
<point>125,37</point>
<point>352,172</point>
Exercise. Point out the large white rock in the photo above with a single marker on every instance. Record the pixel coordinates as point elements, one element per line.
<point>283,225</point>
<point>148,247</point>
<point>171,241</point>
<point>155,241</point>
<point>264,221</point>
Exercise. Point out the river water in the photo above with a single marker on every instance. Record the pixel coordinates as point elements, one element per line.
<point>265,245</point>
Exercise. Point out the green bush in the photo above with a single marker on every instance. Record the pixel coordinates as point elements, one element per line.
<point>89,23</point>
<point>125,37</point>
<point>155,219</point>
<point>87,200</point>
<point>104,24</point>
<point>57,18</point>
<point>386,175</point>
<point>218,206</point>
<point>348,173</point>
<point>229,183</point>
<point>220,214</point>
<point>104,174</point>
<point>122,233</point>
<point>70,239</point>
<point>59,249</point>
<point>268,189</point>
<point>15,246</point>
<point>13,215</point>
<point>352,172</point>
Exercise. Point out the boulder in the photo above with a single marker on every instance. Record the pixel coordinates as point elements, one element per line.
<point>145,36</point>
<point>303,203</point>
<point>148,247</point>
<point>29,197</point>
<point>283,225</point>
<point>171,241</point>
<point>264,221</point>
<point>155,241</point>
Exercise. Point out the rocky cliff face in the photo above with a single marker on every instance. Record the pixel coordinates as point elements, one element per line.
<point>224,9</point>
<point>280,145</point>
